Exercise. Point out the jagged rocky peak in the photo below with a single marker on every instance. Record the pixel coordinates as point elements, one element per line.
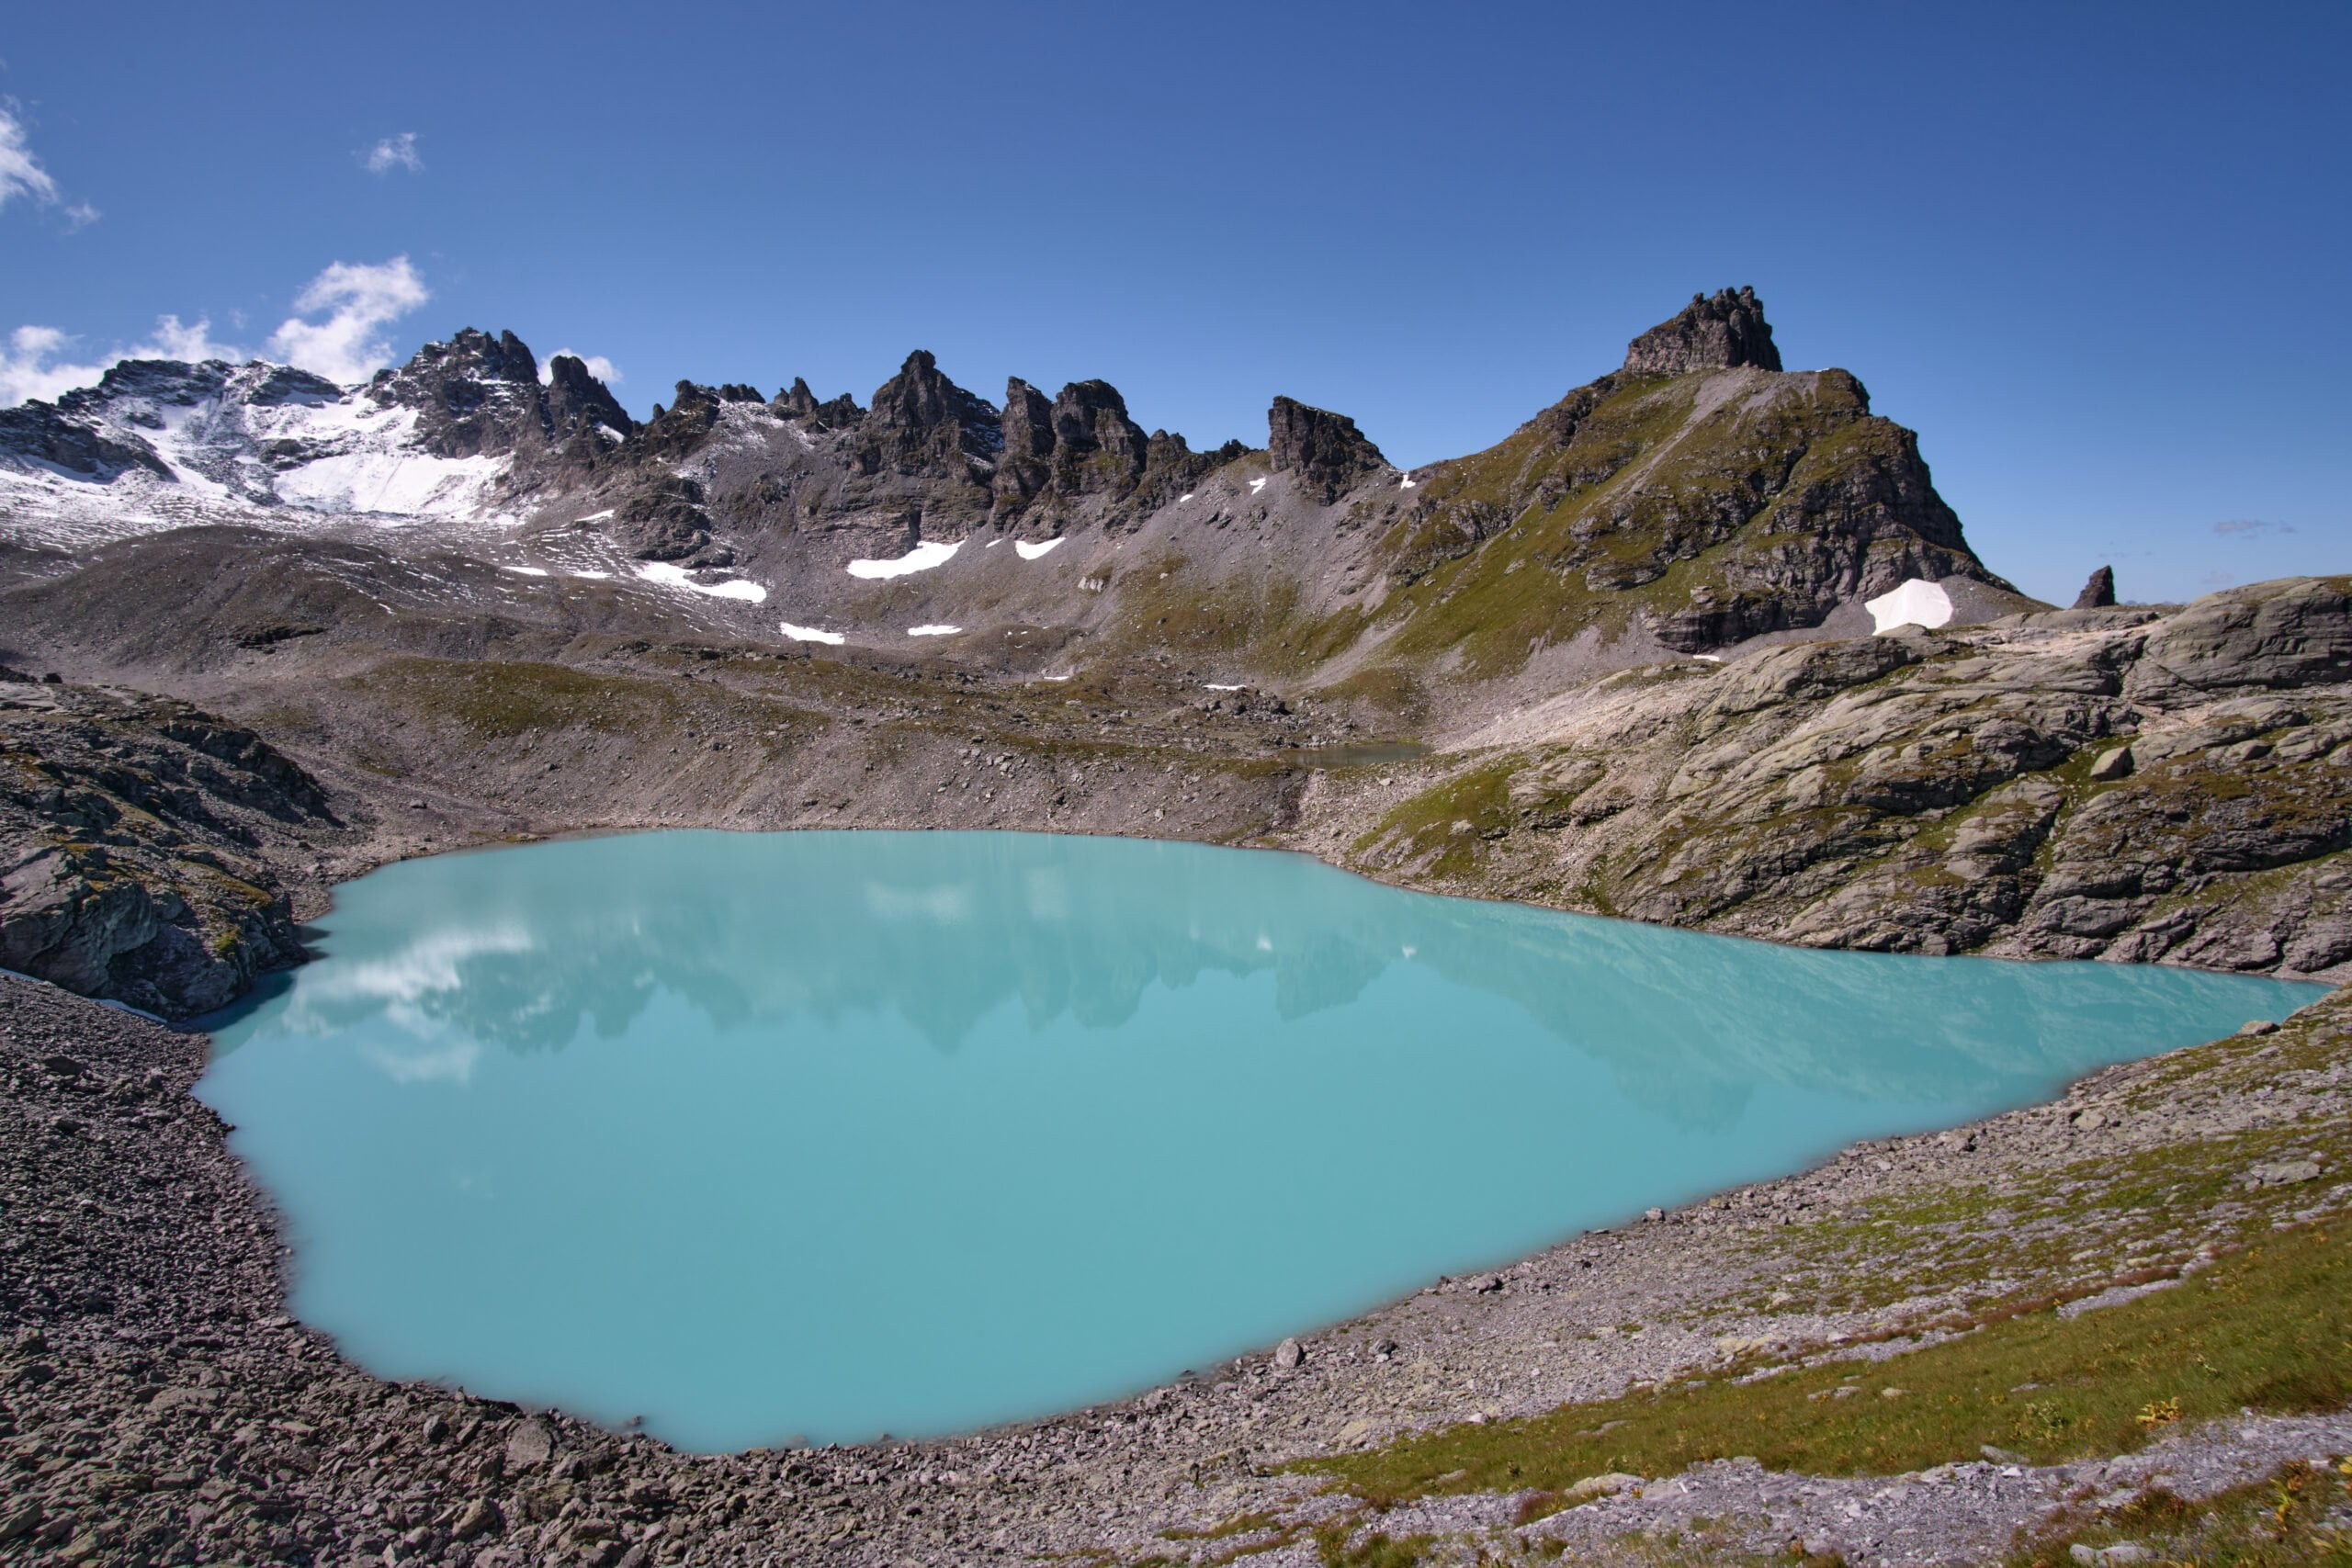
<point>1096,446</point>
<point>1027,426</point>
<point>2099,592</point>
<point>1718,333</point>
<point>1325,449</point>
<point>795,401</point>
<point>472,355</point>
<point>473,394</point>
<point>919,398</point>
<point>920,418</point>
<point>576,398</point>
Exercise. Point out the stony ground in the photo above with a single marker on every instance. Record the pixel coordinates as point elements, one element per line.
<point>157,1405</point>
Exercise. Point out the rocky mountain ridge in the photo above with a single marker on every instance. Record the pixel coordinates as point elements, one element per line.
<point>1697,498</point>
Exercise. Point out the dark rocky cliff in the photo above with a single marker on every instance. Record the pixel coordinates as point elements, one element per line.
<point>137,836</point>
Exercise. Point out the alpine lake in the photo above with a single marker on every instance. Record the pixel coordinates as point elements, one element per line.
<point>810,1137</point>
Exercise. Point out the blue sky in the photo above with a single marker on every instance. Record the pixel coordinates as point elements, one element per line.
<point>2094,255</point>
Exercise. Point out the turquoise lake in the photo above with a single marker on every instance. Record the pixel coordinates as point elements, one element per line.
<point>814,1136</point>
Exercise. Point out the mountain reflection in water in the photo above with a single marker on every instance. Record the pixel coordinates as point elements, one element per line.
<point>942,929</point>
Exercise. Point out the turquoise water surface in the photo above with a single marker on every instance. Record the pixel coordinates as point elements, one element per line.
<point>819,1135</point>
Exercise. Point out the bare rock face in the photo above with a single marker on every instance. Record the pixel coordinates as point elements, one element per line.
<point>132,832</point>
<point>2098,594</point>
<point>795,401</point>
<point>1028,429</point>
<point>1719,333</point>
<point>1325,449</point>
<point>1096,446</point>
<point>576,399</point>
<point>473,394</point>
<point>37,433</point>
<point>2291,633</point>
<point>1082,453</point>
<point>922,420</point>
<point>663,520</point>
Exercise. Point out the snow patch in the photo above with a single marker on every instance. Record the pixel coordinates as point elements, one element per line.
<point>404,483</point>
<point>1708,657</point>
<point>596,516</point>
<point>1183,498</point>
<point>1031,552</point>
<point>922,558</point>
<point>1918,602</point>
<point>670,575</point>
<point>1256,485</point>
<point>807,634</point>
<point>1212,686</point>
<point>933,631</point>
<point>1405,481</point>
<point>586,571</point>
<point>994,543</point>
<point>526,570</point>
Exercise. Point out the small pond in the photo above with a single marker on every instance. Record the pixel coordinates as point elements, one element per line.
<point>814,1136</point>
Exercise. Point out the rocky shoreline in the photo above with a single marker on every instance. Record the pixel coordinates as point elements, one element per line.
<point>157,1405</point>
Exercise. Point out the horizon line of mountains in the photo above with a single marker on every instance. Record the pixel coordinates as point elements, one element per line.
<point>1698,491</point>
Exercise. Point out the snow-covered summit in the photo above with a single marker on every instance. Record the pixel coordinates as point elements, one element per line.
<point>171,443</point>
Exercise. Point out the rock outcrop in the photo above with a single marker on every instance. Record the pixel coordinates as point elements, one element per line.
<point>36,435</point>
<point>576,399</point>
<point>920,420</point>
<point>663,520</point>
<point>132,838</point>
<point>2141,787</point>
<point>1324,451</point>
<point>473,394</point>
<point>2098,594</point>
<point>1721,331</point>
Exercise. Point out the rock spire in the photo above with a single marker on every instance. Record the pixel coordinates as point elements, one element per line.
<point>1720,333</point>
<point>2099,592</point>
<point>1325,449</point>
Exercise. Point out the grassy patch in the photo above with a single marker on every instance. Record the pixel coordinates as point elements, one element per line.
<point>2269,1327</point>
<point>1449,822</point>
<point>501,700</point>
<point>2289,1519</point>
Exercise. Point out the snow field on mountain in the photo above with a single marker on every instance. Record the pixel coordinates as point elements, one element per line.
<point>672,576</point>
<point>922,558</point>
<point>1917,603</point>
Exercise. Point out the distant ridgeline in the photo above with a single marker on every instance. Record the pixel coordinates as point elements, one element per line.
<point>1696,497</point>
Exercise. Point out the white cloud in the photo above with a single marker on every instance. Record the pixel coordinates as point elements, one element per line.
<point>80,216</point>
<point>29,367</point>
<point>599,367</point>
<point>360,301</point>
<point>193,344</point>
<point>395,152</point>
<point>20,171</point>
